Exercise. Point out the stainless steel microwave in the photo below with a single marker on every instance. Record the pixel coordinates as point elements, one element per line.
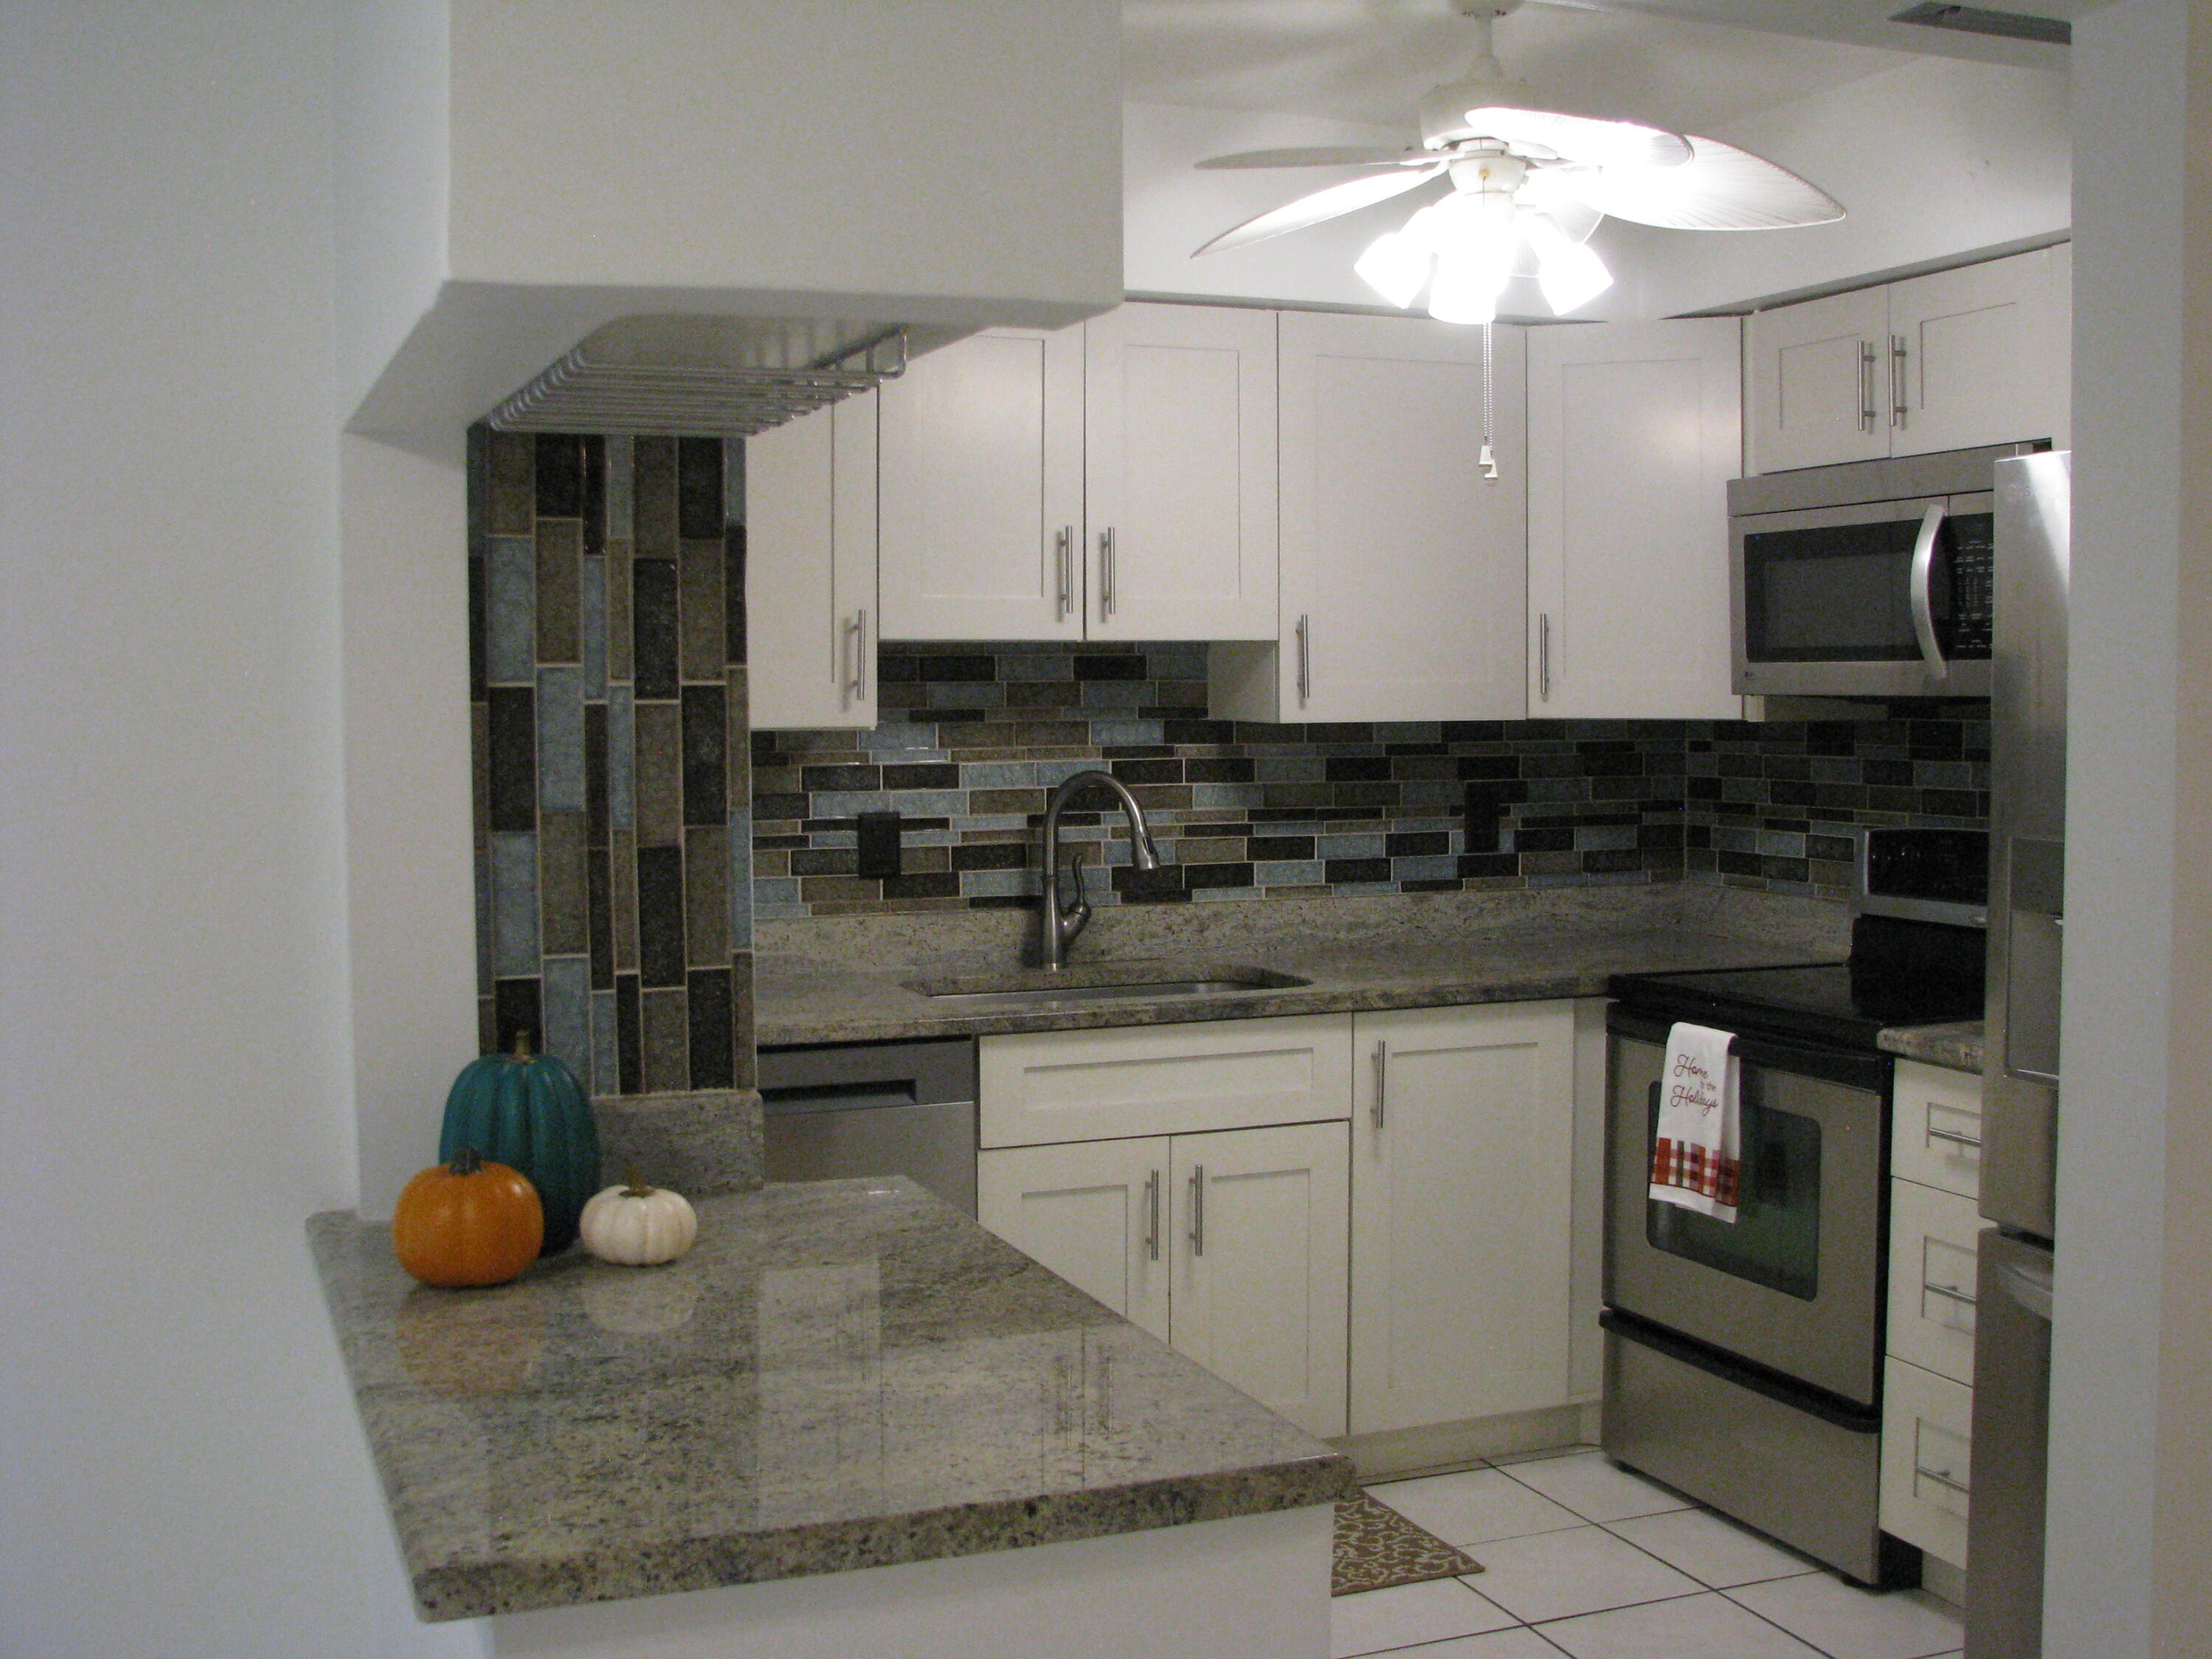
<point>1870,579</point>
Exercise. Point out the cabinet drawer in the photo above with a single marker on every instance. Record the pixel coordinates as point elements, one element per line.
<point>1936,1128</point>
<point>1045,1087</point>
<point>1927,1467</point>
<point>1935,1239</point>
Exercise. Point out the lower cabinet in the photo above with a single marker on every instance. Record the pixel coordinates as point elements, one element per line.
<point>1461,1197</point>
<point>1230,1246</point>
<point>1410,1268</point>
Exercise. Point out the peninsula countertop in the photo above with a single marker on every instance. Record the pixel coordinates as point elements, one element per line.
<point>869,981</point>
<point>839,1375</point>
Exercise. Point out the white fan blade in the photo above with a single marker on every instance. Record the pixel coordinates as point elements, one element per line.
<point>1583,138</point>
<point>1320,204</point>
<point>1721,188</point>
<point>1360,156</point>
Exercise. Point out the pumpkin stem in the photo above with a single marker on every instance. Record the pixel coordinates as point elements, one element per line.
<point>466,1162</point>
<point>522,1042</point>
<point>637,1188</point>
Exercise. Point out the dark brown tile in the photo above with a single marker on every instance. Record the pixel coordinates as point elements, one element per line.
<point>660,916</point>
<point>599,895</point>
<point>517,1007</point>
<point>479,627</point>
<point>659,774</point>
<point>512,507</point>
<point>654,638</point>
<point>699,583</point>
<point>711,1036</point>
<point>707,896</point>
<point>480,770</point>
<point>653,498</point>
<point>629,1036</point>
<point>560,590</point>
<point>667,1041</point>
<point>622,873</point>
<point>698,492</point>
<point>563,906</point>
<point>745,1068</point>
<point>511,759</point>
<point>733,592</point>
<point>705,739</point>
<point>592,506</point>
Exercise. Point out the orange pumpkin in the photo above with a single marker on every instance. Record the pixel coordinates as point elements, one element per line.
<point>467,1223</point>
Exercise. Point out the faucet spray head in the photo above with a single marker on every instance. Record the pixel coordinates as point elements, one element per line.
<point>1143,853</point>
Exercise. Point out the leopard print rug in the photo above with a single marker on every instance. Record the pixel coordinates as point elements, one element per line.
<point>1377,1547</point>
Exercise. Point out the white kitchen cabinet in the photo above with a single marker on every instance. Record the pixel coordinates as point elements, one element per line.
<point>1403,570</point>
<point>981,490</point>
<point>1927,1460</point>
<point>1179,473</point>
<point>1462,1153</point>
<point>1634,432</point>
<point>1936,1128</point>
<point>1978,355</point>
<point>810,604</point>
<point>1229,1245</point>
<point>1934,1250</point>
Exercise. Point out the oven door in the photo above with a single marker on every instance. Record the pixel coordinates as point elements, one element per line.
<point>1795,1284</point>
<point>1883,598</point>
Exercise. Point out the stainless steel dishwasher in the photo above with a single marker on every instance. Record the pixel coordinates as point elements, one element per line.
<point>873,1108</point>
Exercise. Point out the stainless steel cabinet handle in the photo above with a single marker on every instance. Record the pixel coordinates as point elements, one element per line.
<point>1106,595</point>
<point>1866,385</point>
<point>1544,655</point>
<point>1924,613</point>
<point>1943,1480</point>
<point>856,682</point>
<point>1954,1137</point>
<point>1901,380</point>
<point>1152,1217</point>
<point>1197,1210</point>
<point>1063,546</point>
<point>1381,1081</point>
<point>1948,1294</point>
<point>1305,666</point>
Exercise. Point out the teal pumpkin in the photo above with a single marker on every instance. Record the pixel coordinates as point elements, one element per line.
<point>529,1112</point>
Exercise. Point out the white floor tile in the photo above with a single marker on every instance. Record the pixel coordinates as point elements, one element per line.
<point>1504,1644</point>
<point>1856,1624</point>
<point>1555,1574</point>
<point>1695,1627</point>
<point>1711,1548</point>
<point>1594,1489</point>
<point>1376,1620</point>
<point>1539,1455</point>
<point>1474,1507</point>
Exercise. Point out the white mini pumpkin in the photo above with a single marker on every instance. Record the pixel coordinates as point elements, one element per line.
<point>638,1225</point>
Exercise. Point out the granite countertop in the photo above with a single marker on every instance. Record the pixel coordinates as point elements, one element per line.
<point>839,1375</point>
<point>816,983</point>
<point>1958,1045</point>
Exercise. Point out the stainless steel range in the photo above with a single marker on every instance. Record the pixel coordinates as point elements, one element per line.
<point>1743,1358</point>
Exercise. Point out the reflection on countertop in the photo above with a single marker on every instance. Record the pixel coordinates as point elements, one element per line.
<point>865,978</point>
<point>841,1375</point>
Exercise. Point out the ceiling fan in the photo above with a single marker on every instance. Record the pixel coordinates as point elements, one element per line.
<point>1528,184</point>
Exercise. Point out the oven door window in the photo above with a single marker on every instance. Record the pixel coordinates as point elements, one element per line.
<point>1775,1240</point>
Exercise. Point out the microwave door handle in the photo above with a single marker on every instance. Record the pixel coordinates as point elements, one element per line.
<point>1923,610</point>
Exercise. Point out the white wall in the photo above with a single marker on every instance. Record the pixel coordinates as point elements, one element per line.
<point>1933,159</point>
<point>183,1473</point>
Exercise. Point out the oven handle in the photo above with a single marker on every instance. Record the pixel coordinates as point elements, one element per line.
<point>1923,610</point>
<point>1868,1073</point>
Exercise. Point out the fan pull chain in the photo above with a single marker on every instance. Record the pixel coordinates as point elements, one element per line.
<point>1487,457</point>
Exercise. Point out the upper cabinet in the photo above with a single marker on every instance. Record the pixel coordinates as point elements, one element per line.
<point>1116,481</point>
<point>1403,570</point>
<point>981,490</point>
<point>1633,435</point>
<point>1979,355</point>
<point>1179,473</point>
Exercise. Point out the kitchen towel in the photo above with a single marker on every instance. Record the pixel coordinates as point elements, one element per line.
<point>1696,1146</point>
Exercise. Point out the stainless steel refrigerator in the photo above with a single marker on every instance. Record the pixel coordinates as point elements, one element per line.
<point>2021,1072</point>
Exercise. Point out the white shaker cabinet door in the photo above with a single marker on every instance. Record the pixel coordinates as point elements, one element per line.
<point>1461,1172</point>
<point>1404,567</point>
<point>1980,354</point>
<point>1819,381</point>
<point>810,577</point>
<point>1179,480</point>
<point>1259,1296</point>
<point>1634,432</point>
<point>981,491</point>
<point>1097,1212</point>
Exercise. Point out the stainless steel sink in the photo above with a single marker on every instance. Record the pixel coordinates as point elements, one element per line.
<point>1078,987</point>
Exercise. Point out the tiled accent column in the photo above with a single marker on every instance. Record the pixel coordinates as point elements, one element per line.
<point>606,581</point>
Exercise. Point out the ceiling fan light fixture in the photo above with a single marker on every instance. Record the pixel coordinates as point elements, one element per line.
<point>1569,273</point>
<point>1395,265</point>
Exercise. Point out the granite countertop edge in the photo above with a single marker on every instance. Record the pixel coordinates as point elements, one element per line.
<point>1960,1045</point>
<point>479,1590</point>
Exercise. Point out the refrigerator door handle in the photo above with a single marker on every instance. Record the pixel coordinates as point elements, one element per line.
<point>2027,1286</point>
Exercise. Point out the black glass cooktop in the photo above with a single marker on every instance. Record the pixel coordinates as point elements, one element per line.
<point>1900,974</point>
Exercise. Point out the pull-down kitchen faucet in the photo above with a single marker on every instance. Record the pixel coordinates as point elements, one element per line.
<point>1061,926</point>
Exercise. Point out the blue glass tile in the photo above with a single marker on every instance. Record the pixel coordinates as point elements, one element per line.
<point>561,738</point>
<point>514,904</point>
<point>511,611</point>
<point>1287,872</point>
<point>1349,846</point>
<point>1206,795</point>
<point>621,759</point>
<point>568,1013</point>
<point>1427,867</point>
<point>594,602</point>
<point>605,1076</point>
<point>741,877</point>
<point>997,884</point>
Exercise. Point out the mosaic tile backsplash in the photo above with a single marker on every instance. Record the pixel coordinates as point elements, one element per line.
<point>607,644</point>
<point>973,738</point>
